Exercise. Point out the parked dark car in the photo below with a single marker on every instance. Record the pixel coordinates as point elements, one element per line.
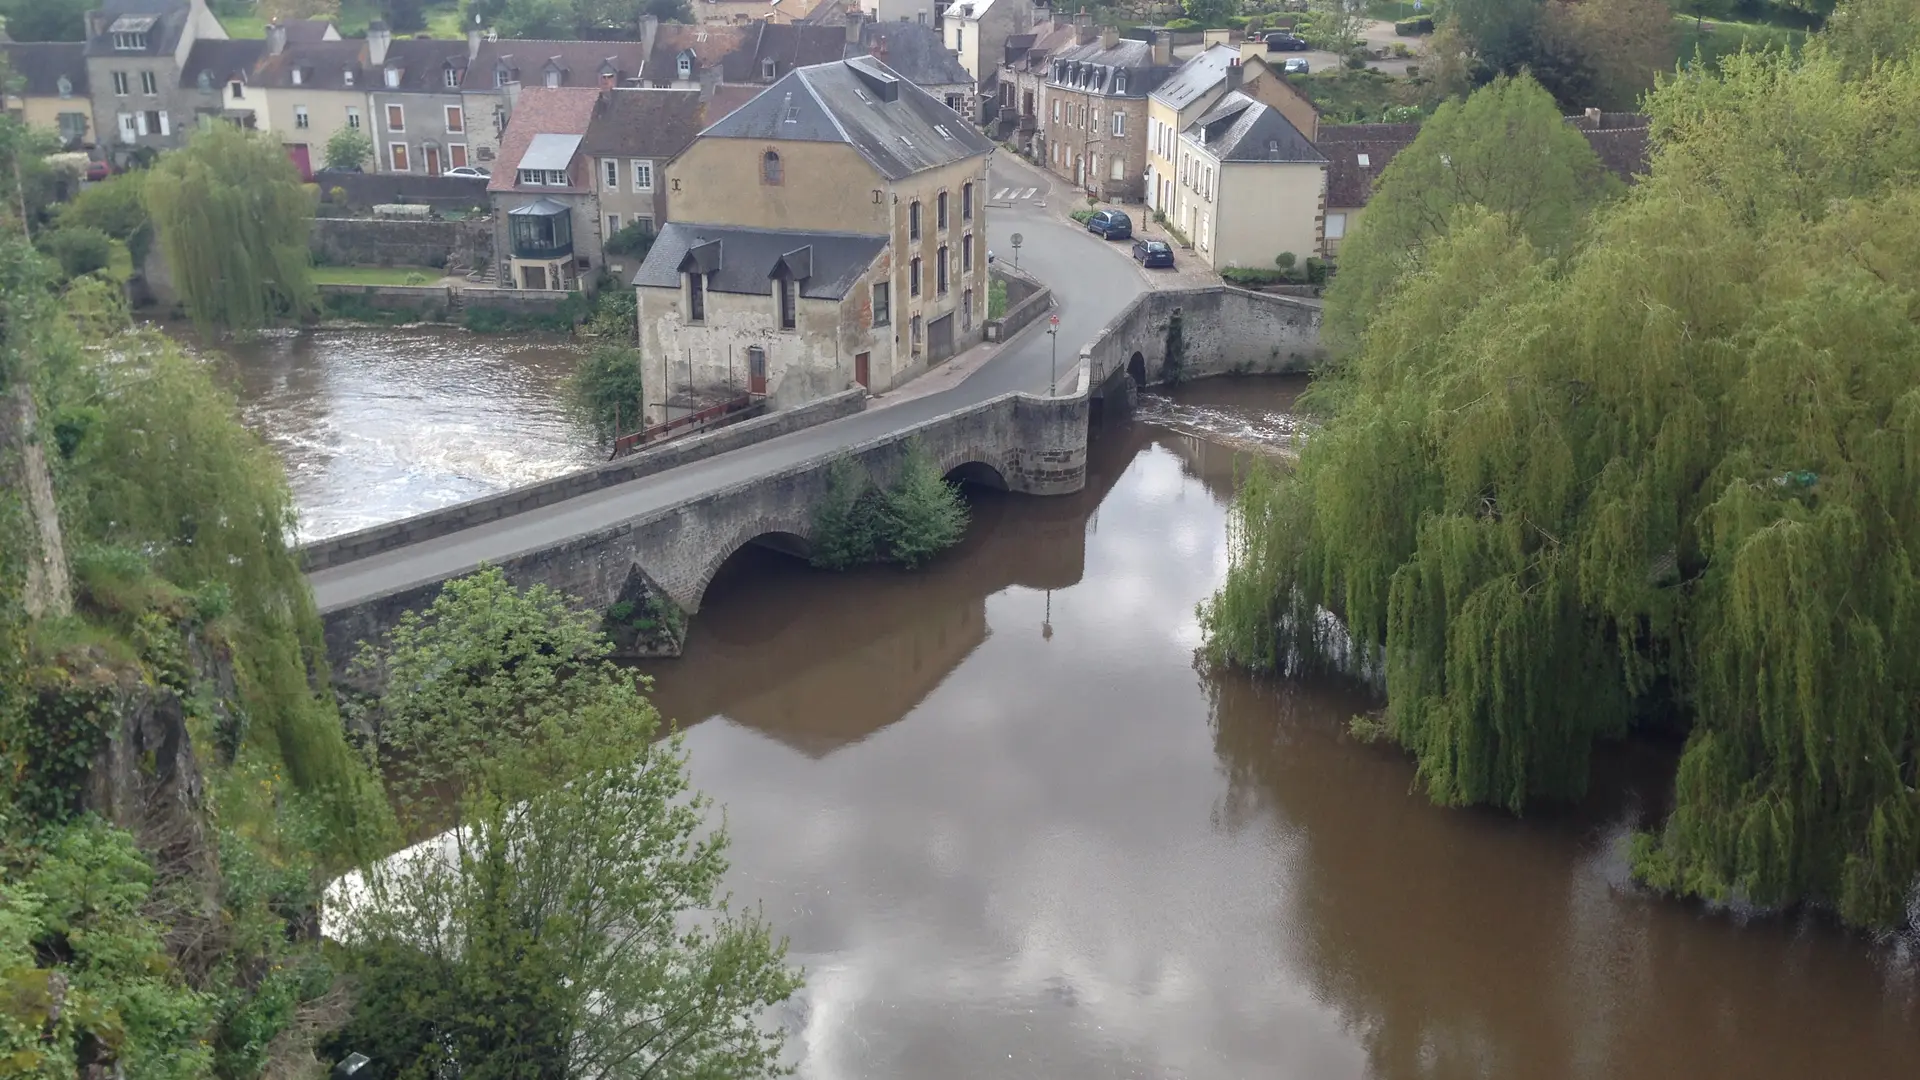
<point>1111,225</point>
<point>336,170</point>
<point>1286,43</point>
<point>1151,253</point>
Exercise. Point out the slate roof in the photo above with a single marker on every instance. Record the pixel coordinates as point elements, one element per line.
<point>1047,40</point>
<point>322,65</point>
<point>581,63</point>
<point>308,31</point>
<point>1349,183</point>
<point>169,20</point>
<point>899,128</point>
<point>1242,129</point>
<point>39,65</point>
<point>788,46</point>
<point>914,51</point>
<point>709,45</point>
<point>221,60</point>
<point>540,110</point>
<point>651,123</point>
<point>1619,139</point>
<point>747,258</point>
<point>1098,68</point>
<point>1197,76</point>
<point>423,63</point>
<point>725,99</point>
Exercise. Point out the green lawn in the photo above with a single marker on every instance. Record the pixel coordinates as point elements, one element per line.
<point>1400,10</point>
<point>1726,38</point>
<point>374,275</point>
<point>443,19</point>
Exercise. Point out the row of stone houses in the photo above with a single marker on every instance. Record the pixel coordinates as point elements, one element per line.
<point>151,71</point>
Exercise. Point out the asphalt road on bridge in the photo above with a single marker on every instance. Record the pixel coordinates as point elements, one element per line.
<point>1092,281</point>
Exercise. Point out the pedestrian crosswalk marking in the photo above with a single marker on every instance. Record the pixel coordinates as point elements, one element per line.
<point>1013,194</point>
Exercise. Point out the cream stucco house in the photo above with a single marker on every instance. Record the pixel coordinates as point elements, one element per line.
<point>1194,90</point>
<point>874,193</point>
<point>1249,186</point>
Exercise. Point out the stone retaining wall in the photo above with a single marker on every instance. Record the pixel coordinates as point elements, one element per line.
<point>1226,331</point>
<point>1027,299</point>
<point>369,242</point>
<point>358,545</point>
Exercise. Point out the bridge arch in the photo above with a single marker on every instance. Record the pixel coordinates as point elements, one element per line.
<point>977,474</point>
<point>789,538</point>
<point>1137,370</point>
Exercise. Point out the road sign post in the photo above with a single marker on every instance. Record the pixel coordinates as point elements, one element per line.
<point>1017,241</point>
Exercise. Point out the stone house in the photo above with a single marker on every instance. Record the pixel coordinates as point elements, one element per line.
<point>1023,80</point>
<point>136,51</point>
<point>918,54</point>
<point>311,91</point>
<point>786,314</point>
<point>499,69</point>
<point>843,149</point>
<point>51,90</point>
<point>631,138</point>
<point>1249,186</point>
<point>977,32</point>
<point>1192,92</point>
<point>546,218</point>
<point>419,116</point>
<point>1094,128</point>
<point>747,54</point>
<point>217,83</point>
<point>918,12</point>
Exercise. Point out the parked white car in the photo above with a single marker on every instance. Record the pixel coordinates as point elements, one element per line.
<point>468,170</point>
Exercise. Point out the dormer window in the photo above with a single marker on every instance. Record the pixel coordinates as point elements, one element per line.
<point>767,68</point>
<point>297,79</point>
<point>451,77</point>
<point>393,78</point>
<point>236,90</point>
<point>1120,83</point>
<point>205,82</point>
<point>66,87</point>
<point>500,77</point>
<point>553,77</point>
<point>684,66</point>
<point>135,41</point>
<point>346,77</point>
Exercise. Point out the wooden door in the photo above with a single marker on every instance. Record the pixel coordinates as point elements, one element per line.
<point>433,161</point>
<point>860,373</point>
<point>757,371</point>
<point>302,159</point>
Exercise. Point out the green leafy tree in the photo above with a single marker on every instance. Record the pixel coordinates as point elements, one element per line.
<point>46,20</point>
<point>1338,22</point>
<point>1500,31</point>
<point>1862,32</point>
<point>405,16</point>
<point>922,515</point>
<point>605,387</point>
<point>1602,53</point>
<point>1465,157</point>
<point>677,11</point>
<point>1211,12</point>
<point>1657,475</point>
<point>348,148</point>
<point>568,922</point>
<point>233,222</point>
<point>539,19</point>
<point>82,250</point>
<point>845,521</point>
<point>115,206</point>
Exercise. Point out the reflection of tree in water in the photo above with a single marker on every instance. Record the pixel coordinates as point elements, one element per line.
<point>1460,943</point>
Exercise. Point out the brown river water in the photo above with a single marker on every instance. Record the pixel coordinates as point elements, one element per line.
<point>1012,830</point>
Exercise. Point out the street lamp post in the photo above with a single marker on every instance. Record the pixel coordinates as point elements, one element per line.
<point>1053,364</point>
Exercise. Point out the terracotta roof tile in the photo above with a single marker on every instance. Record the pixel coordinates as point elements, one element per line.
<point>540,110</point>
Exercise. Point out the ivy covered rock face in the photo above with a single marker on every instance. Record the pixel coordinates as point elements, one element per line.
<point>1654,465</point>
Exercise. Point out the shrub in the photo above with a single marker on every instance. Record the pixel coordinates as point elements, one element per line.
<point>1413,27</point>
<point>79,249</point>
<point>336,194</point>
<point>922,515</point>
<point>1182,24</point>
<point>845,524</point>
<point>1316,271</point>
<point>1082,216</point>
<point>1400,50</point>
<point>996,299</point>
<point>632,240</point>
<point>1253,275</point>
<point>414,278</point>
<point>604,390</point>
<point>1285,261</point>
<point>1356,60</point>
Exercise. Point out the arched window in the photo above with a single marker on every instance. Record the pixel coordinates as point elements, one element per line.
<point>770,172</point>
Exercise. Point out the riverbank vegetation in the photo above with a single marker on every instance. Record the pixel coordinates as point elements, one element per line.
<point>604,391</point>
<point>177,784</point>
<point>1635,463</point>
<point>915,519</point>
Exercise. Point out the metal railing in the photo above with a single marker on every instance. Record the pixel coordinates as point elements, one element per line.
<point>693,421</point>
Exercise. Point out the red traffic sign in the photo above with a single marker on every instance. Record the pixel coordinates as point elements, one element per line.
<point>1054,319</point>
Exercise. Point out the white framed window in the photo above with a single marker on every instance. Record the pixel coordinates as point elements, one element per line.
<point>353,117</point>
<point>346,77</point>
<point>127,129</point>
<point>456,119</point>
<point>300,117</point>
<point>237,89</point>
<point>396,118</point>
<point>1056,110</point>
<point>393,78</point>
<point>1119,123</point>
<point>767,68</point>
<point>397,157</point>
<point>451,77</point>
<point>499,77</point>
<point>533,178</point>
<point>645,221</point>
<point>120,84</point>
<point>642,175</point>
<point>613,224</point>
<point>1119,168</point>
<point>684,69</point>
<point>1206,228</point>
<point>1336,226</point>
<point>553,79</point>
<point>148,84</point>
<point>457,154</point>
<point>610,175</point>
<point>130,42</point>
<point>298,77</point>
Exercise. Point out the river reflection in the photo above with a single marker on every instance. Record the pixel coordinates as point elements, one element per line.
<point>1012,832</point>
<point>379,424</point>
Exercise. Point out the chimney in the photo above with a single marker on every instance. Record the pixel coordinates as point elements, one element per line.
<point>1162,48</point>
<point>1234,72</point>
<point>1593,118</point>
<point>276,38</point>
<point>378,39</point>
<point>474,38</point>
<point>1109,37</point>
<point>855,20</point>
<point>1084,32</point>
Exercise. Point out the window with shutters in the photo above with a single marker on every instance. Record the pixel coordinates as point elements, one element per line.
<point>300,117</point>
<point>397,154</point>
<point>148,84</point>
<point>396,118</point>
<point>120,84</point>
<point>456,120</point>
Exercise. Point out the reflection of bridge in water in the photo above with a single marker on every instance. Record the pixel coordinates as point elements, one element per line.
<point>819,660</point>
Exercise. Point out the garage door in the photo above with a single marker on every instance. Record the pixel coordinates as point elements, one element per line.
<point>940,339</point>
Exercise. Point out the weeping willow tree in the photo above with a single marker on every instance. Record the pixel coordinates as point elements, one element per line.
<point>233,222</point>
<point>1668,475</point>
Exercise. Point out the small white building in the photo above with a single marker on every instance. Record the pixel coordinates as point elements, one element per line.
<point>1250,186</point>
